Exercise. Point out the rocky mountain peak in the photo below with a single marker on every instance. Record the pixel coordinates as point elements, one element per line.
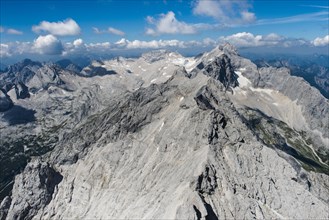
<point>217,65</point>
<point>228,48</point>
<point>221,69</point>
<point>18,67</point>
<point>157,55</point>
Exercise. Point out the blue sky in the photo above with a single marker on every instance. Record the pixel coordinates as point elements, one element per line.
<point>68,27</point>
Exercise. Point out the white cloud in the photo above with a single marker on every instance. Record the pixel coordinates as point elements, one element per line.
<point>208,41</point>
<point>273,37</point>
<point>248,17</point>
<point>321,41</point>
<point>78,42</point>
<point>14,31</point>
<point>2,29</point>
<point>227,12</point>
<point>115,31</point>
<point>208,8</point>
<point>154,44</point>
<point>168,24</point>
<point>245,39</point>
<point>109,30</point>
<point>4,50</point>
<point>122,42</point>
<point>48,44</point>
<point>60,28</point>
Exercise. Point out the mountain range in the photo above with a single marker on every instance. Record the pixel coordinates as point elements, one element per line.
<point>164,136</point>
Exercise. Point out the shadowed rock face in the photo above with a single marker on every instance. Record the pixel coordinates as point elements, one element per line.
<point>132,146</point>
<point>19,115</point>
<point>5,102</point>
<point>222,70</point>
<point>22,91</point>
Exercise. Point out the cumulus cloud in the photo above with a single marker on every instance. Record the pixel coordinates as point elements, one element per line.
<point>61,28</point>
<point>109,30</point>
<point>168,24</point>
<point>228,13</point>
<point>78,42</point>
<point>153,44</point>
<point>321,41</point>
<point>245,39</point>
<point>48,45</point>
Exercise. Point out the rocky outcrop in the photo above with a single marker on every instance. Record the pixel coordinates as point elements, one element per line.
<point>113,124</point>
<point>74,68</point>
<point>32,191</point>
<point>222,70</point>
<point>21,91</point>
<point>5,102</point>
<point>20,72</point>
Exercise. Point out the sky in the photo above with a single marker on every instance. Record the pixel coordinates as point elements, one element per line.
<point>35,28</point>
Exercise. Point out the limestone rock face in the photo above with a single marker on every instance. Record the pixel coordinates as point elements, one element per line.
<point>315,106</point>
<point>209,137</point>
<point>33,190</point>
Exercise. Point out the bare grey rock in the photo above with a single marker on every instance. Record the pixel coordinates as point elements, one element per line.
<point>4,207</point>
<point>315,106</point>
<point>221,69</point>
<point>33,190</point>
<point>163,139</point>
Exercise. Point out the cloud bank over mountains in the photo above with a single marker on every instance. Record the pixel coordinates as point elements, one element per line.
<point>52,45</point>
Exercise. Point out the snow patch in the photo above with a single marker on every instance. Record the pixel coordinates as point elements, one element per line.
<point>243,81</point>
<point>190,65</point>
<point>179,61</point>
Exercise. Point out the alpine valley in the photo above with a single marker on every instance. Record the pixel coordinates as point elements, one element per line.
<point>162,136</point>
